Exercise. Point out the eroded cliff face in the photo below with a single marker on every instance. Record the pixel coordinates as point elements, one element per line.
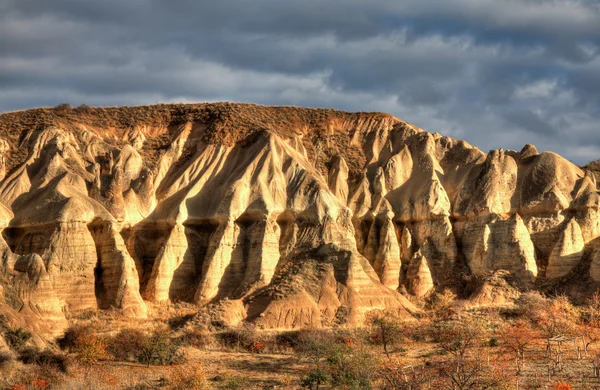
<point>295,217</point>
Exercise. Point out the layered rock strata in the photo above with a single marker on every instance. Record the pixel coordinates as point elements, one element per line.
<point>294,217</point>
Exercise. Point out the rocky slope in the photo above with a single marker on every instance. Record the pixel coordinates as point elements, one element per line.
<point>289,217</point>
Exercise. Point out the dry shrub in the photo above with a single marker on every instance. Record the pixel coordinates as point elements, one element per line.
<point>196,338</point>
<point>127,344</point>
<point>441,305</point>
<point>134,345</point>
<point>287,341</point>
<point>417,331</point>
<point>559,318</point>
<point>529,304</point>
<point>93,377</point>
<point>298,340</point>
<point>49,373</point>
<point>6,358</point>
<point>46,359</point>
<point>74,337</point>
<point>62,108</point>
<point>336,363</point>
<point>350,368</point>
<point>159,349</point>
<point>88,346</point>
<point>553,316</point>
<point>315,343</point>
<point>244,338</point>
<point>186,377</point>
<point>17,338</point>
<point>349,338</point>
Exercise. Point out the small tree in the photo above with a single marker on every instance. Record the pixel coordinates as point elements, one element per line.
<point>458,338</point>
<point>517,338</point>
<point>397,376</point>
<point>315,344</point>
<point>590,324</point>
<point>465,370</point>
<point>468,374</point>
<point>385,328</point>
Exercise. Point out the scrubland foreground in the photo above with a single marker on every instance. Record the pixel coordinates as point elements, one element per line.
<point>537,343</point>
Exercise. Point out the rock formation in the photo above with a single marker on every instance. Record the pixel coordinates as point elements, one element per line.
<point>293,217</point>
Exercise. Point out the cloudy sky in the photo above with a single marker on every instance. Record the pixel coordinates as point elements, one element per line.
<point>497,73</point>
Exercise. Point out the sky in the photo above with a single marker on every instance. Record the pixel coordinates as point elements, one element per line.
<point>496,73</point>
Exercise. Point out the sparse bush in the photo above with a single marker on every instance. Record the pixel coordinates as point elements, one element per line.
<point>530,304</point>
<point>338,363</point>
<point>350,368</point>
<point>417,331</point>
<point>314,379</point>
<point>17,338</point>
<point>315,344</point>
<point>244,338</point>
<point>196,338</point>
<point>61,108</point>
<point>135,345</point>
<point>161,350</point>
<point>5,359</point>
<point>348,338</point>
<point>83,109</point>
<point>287,340</point>
<point>45,358</point>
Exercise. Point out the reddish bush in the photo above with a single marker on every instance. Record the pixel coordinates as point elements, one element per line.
<point>257,347</point>
<point>39,384</point>
<point>562,386</point>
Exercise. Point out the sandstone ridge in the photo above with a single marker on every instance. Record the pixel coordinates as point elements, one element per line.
<point>292,217</point>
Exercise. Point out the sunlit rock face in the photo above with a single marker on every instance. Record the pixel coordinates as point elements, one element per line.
<point>294,217</point>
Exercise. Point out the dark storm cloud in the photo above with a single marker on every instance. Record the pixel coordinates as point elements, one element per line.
<point>498,73</point>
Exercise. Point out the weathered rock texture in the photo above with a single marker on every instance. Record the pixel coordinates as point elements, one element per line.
<point>294,217</point>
